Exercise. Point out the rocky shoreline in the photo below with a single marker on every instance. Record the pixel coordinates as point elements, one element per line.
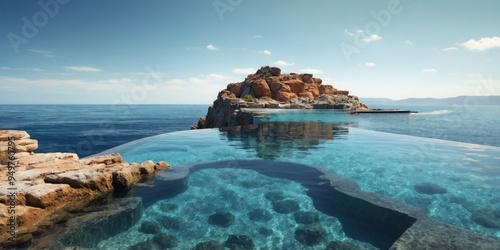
<point>40,190</point>
<point>269,89</point>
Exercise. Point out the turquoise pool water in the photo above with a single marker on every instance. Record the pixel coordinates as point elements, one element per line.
<point>454,182</point>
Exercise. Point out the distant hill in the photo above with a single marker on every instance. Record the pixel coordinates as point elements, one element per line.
<point>459,100</point>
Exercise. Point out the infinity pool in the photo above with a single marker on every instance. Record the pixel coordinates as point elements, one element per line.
<point>456,183</point>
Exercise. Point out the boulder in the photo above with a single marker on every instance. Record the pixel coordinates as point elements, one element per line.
<point>296,86</point>
<point>284,96</point>
<point>275,71</point>
<point>260,88</point>
<point>307,78</point>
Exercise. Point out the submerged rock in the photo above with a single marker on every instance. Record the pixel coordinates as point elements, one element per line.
<point>169,222</point>
<point>239,242</point>
<point>209,245</point>
<point>259,214</point>
<point>487,218</point>
<point>165,241</point>
<point>342,245</point>
<point>274,196</point>
<point>150,227</point>
<point>306,217</point>
<point>285,206</point>
<point>222,219</point>
<point>429,188</point>
<point>167,207</point>
<point>310,235</point>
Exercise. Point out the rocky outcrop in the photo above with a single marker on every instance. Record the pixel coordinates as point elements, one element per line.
<point>44,185</point>
<point>268,88</point>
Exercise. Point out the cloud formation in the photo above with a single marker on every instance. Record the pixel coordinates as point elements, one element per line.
<point>44,53</point>
<point>244,71</point>
<point>370,64</point>
<point>372,38</point>
<point>212,47</point>
<point>265,52</point>
<point>429,70</point>
<point>482,44</point>
<point>310,71</point>
<point>450,49</point>
<point>83,69</point>
<point>283,63</point>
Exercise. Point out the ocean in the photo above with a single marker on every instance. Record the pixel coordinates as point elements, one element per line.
<point>90,129</point>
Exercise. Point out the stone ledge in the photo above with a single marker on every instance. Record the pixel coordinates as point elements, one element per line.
<point>50,184</point>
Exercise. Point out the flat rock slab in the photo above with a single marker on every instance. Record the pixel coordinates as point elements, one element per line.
<point>47,157</point>
<point>104,159</point>
<point>46,195</point>
<point>85,178</point>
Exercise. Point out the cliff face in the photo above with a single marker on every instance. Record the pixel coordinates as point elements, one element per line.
<point>268,88</point>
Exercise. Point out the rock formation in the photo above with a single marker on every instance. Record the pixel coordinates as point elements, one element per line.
<point>45,187</point>
<point>268,88</point>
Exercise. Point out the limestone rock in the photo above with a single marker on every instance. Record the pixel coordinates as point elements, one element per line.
<point>85,178</point>
<point>104,159</point>
<point>46,195</point>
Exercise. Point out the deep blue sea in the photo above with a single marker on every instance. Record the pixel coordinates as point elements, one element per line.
<point>456,148</point>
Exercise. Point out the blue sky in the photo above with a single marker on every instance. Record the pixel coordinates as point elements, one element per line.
<point>180,51</point>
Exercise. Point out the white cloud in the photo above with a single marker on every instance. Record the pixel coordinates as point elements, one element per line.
<point>429,70</point>
<point>257,37</point>
<point>265,52</point>
<point>283,63</point>
<point>482,44</point>
<point>370,64</point>
<point>44,53</point>
<point>83,69</point>
<point>408,42</point>
<point>364,37</point>
<point>244,71</point>
<point>212,47</point>
<point>372,38</point>
<point>27,69</point>
<point>450,49</point>
<point>311,71</point>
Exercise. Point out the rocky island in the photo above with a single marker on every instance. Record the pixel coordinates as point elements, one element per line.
<point>269,88</point>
